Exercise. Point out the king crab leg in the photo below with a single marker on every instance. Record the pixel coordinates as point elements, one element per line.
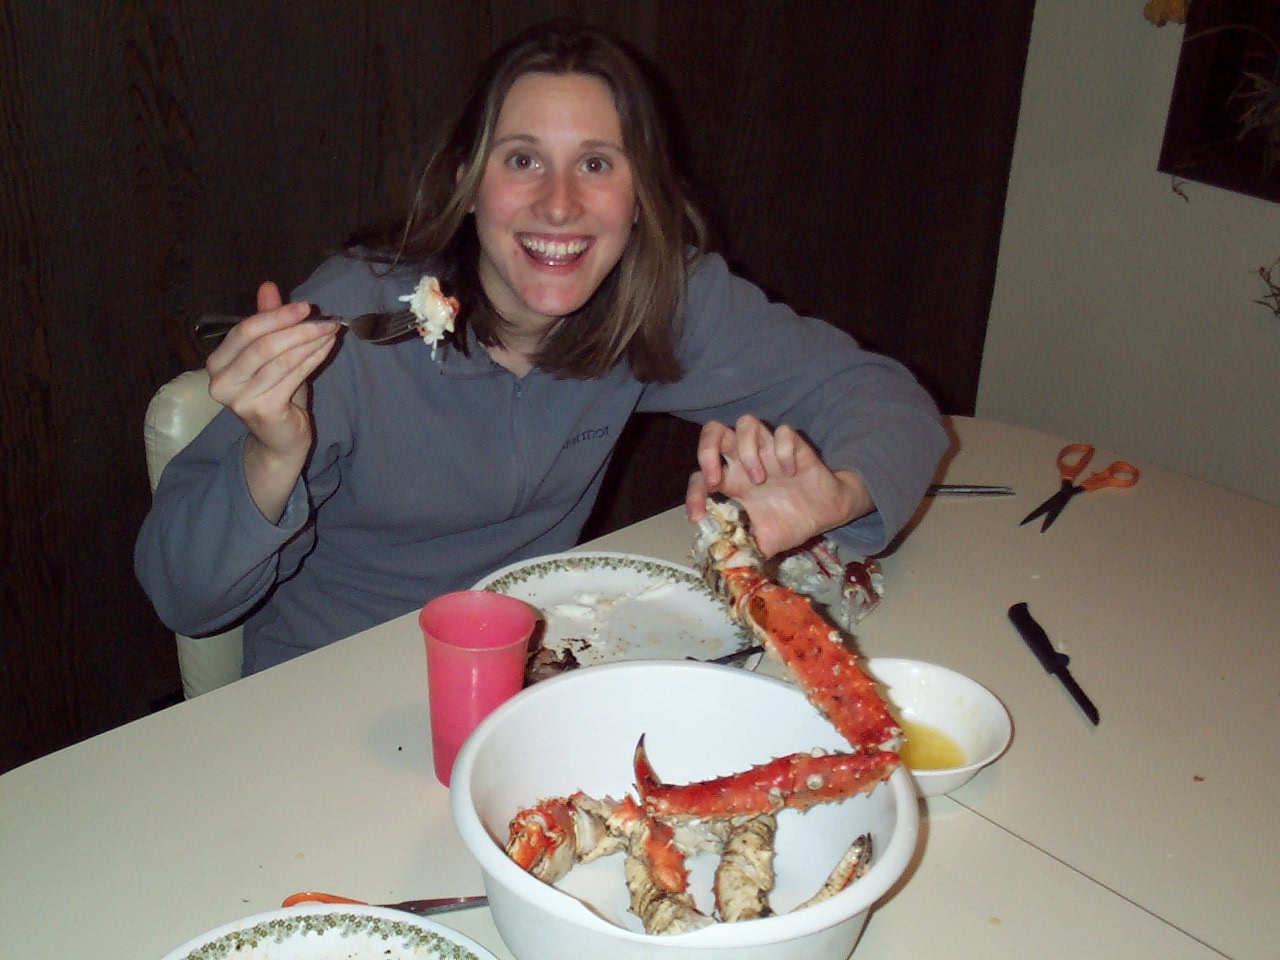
<point>791,630</point>
<point>744,876</point>
<point>849,868</point>
<point>799,781</point>
<point>658,881</point>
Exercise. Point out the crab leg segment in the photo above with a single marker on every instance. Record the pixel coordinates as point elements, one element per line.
<point>549,837</point>
<point>826,670</point>
<point>744,876</point>
<point>543,839</point>
<point>658,881</point>
<point>800,781</point>
<point>789,627</point>
<point>854,863</point>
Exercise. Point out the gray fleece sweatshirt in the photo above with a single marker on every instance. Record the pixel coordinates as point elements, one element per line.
<point>429,474</point>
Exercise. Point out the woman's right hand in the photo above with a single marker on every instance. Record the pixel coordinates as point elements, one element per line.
<point>260,371</point>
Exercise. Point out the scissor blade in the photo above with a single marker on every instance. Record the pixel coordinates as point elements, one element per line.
<point>1037,512</point>
<point>1041,510</point>
<point>1056,508</point>
<point>1054,502</point>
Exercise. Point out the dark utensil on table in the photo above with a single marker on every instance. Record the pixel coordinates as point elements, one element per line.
<point>374,327</point>
<point>423,908</point>
<point>968,490</point>
<point>1050,659</point>
<point>1072,459</point>
<point>731,657</point>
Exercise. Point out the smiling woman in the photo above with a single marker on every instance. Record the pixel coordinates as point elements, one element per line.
<point>564,130</point>
<point>329,116</point>
<point>347,483</point>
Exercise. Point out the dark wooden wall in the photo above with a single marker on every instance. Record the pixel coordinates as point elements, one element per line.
<point>159,159</point>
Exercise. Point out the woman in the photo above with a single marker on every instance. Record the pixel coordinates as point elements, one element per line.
<point>347,483</point>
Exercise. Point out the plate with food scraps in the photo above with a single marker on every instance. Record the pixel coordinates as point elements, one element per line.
<point>603,607</point>
<point>323,931</point>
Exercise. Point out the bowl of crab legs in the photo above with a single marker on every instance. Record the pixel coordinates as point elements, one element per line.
<point>679,809</point>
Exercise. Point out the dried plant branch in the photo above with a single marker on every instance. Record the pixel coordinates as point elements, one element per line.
<point>1272,299</point>
<point>1262,93</point>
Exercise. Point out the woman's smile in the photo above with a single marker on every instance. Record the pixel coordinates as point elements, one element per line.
<point>553,252</point>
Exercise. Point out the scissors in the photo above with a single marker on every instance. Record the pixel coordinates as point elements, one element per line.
<point>1072,459</point>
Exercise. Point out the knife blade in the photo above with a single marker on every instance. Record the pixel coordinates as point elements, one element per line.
<point>1051,659</point>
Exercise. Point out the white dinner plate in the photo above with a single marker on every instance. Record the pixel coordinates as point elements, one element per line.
<point>604,607</point>
<point>324,931</point>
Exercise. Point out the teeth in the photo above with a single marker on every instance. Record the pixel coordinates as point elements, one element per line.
<point>555,250</point>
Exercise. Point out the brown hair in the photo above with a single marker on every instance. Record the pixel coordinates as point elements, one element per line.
<point>633,312</point>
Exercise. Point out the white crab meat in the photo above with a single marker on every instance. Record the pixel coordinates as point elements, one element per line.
<point>435,311</point>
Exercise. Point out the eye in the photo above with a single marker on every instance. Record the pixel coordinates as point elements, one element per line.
<point>521,161</point>
<point>596,165</point>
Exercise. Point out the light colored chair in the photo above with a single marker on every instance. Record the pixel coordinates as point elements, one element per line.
<point>179,410</point>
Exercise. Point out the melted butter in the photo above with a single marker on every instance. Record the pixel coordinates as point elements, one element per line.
<point>926,748</point>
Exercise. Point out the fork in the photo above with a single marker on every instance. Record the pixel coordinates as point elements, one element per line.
<point>374,327</point>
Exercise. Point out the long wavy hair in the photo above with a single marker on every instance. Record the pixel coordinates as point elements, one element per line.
<point>633,313</point>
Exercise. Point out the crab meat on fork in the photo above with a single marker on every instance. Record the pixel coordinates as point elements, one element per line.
<point>434,311</point>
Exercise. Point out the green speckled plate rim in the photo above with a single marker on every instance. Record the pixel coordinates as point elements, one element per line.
<point>410,933</point>
<point>501,581</point>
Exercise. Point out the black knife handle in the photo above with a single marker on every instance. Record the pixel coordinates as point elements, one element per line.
<point>1037,639</point>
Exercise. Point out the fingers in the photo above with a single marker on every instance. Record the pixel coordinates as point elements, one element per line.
<point>786,489</point>
<point>262,366</point>
<point>269,368</point>
<point>268,297</point>
<point>252,333</point>
<point>269,348</point>
<point>714,443</point>
<point>788,447</point>
<point>751,446</point>
<point>695,497</point>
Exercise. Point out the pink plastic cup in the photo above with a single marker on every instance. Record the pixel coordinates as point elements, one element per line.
<point>477,643</point>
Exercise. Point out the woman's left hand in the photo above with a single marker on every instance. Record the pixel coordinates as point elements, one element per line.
<point>786,489</point>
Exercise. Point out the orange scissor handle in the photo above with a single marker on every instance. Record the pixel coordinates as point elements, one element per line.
<point>312,896</point>
<point>1118,474</point>
<point>1073,458</point>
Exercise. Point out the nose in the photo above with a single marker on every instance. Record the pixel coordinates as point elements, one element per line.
<point>558,203</point>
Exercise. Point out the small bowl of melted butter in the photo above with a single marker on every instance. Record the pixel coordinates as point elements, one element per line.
<point>952,726</point>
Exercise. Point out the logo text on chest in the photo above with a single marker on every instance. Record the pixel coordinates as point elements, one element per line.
<point>596,433</point>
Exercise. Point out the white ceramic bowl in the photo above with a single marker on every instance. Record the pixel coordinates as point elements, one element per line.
<point>579,731</point>
<point>963,709</point>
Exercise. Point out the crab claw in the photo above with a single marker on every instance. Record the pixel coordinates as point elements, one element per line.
<point>543,839</point>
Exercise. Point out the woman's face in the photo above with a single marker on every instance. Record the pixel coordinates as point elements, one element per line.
<point>556,202</point>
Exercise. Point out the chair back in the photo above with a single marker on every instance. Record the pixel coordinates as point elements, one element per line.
<point>178,411</point>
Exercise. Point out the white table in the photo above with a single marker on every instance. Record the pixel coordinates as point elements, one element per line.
<point>1154,835</point>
